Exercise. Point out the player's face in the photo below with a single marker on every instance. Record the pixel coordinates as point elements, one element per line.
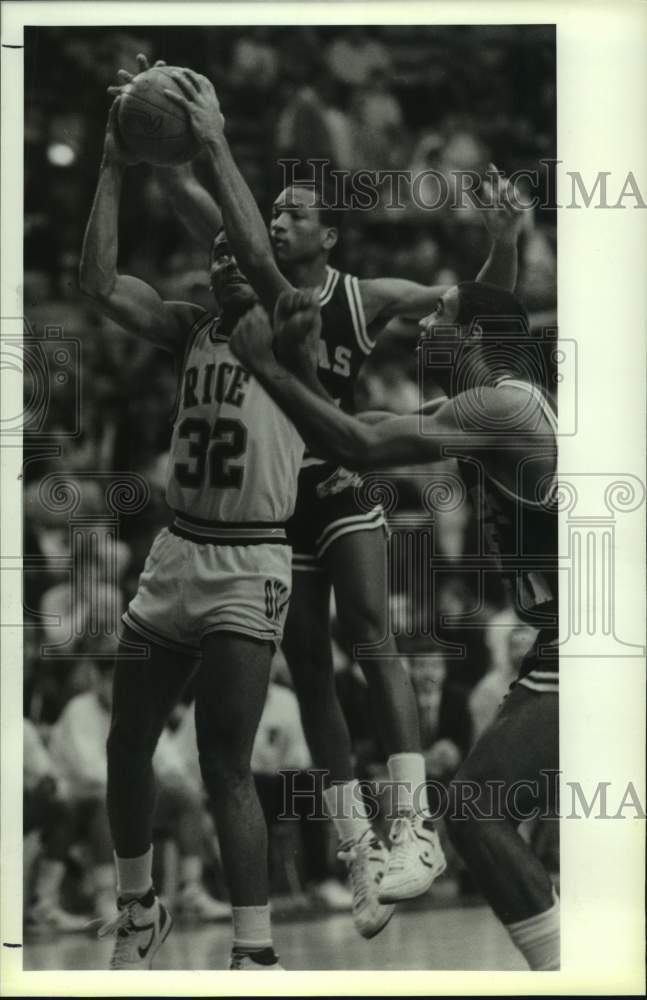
<point>445,312</point>
<point>296,230</point>
<point>228,283</point>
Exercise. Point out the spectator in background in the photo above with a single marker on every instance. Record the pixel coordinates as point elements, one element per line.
<point>78,747</point>
<point>377,121</point>
<point>355,55</point>
<point>508,640</point>
<point>445,727</point>
<point>254,63</point>
<point>47,811</point>
<point>311,127</point>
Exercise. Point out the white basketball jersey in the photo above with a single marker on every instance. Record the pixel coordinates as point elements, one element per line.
<point>235,456</point>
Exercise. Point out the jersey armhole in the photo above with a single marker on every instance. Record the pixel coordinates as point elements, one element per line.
<point>199,325</point>
<point>353,294</point>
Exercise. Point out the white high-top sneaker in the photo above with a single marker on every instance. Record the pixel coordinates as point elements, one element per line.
<point>367,859</point>
<point>140,932</point>
<point>415,862</point>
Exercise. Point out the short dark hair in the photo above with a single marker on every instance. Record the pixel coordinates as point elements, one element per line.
<point>331,212</point>
<point>498,312</point>
<point>504,328</point>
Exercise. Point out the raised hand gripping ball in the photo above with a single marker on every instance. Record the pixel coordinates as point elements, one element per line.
<point>151,126</point>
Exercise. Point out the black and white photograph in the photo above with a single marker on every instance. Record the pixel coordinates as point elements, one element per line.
<point>300,547</point>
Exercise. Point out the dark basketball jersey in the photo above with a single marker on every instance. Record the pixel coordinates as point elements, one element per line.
<point>345,344</point>
<point>518,529</point>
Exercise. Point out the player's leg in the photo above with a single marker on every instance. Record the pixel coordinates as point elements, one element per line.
<point>231,688</point>
<point>521,745</point>
<point>357,564</point>
<point>144,692</point>
<point>306,644</point>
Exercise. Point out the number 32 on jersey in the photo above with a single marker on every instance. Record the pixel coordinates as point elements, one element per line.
<point>212,453</point>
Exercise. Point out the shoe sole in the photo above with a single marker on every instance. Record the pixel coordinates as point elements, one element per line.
<point>167,931</point>
<point>374,931</point>
<point>411,889</point>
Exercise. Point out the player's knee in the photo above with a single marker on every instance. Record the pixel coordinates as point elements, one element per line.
<point>364,625</point>
<point>223,770</point>
<point>470,803</point>
<point>128,745</point>
<point>309,657</point>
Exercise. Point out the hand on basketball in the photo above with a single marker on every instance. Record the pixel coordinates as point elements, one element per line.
<point>297,329</point>
<point>501,211</point>
<point>251,340</point>
<point>125,77</point>
<point>200,102</point>
<point>114,152</point>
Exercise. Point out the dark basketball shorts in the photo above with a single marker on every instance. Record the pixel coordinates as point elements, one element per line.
<point>539,669</point>
<point>329,506</point>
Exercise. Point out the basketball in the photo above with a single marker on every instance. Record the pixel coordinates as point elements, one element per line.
<point>151,126</point>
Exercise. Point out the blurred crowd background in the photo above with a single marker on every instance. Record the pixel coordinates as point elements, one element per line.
<point>377,98</point>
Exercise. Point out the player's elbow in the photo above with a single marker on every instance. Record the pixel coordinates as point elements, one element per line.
<point>354,449</point>
<point>93,284</point>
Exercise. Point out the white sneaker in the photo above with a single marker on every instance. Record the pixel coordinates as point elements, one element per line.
<point>195,903</point>
<point>48,916</point>
<point>415,861</point>
<point>140,932</point>
<point>366,859</point>
<point>255,961</point>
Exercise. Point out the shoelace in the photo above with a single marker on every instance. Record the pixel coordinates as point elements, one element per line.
<point>356,857</point>
<point>401,837</point>
<point>120,923</point>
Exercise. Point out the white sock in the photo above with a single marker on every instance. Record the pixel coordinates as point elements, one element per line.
<point>48,881</point>
<point>134,875</point>
<point>407,771</point>
<point>252,928</point>
<point>537,938</point>
<point>346,808</point>
<point>190,871</point>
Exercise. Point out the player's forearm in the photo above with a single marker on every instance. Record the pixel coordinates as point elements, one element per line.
<point>192,203</point>
<point>328,431</point>
<point>98,267</point>
<point>501,266</point>
<point>374,416</point>
<point>246,230</point>
<point>308,377</point>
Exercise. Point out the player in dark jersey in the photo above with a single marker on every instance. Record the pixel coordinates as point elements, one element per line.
<point>335,540</point>
<point>501,427</point>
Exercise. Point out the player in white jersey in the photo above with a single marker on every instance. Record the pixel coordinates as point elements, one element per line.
<point>213,594</point>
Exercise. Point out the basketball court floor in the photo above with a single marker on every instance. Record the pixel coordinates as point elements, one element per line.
<point>453,937</point>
